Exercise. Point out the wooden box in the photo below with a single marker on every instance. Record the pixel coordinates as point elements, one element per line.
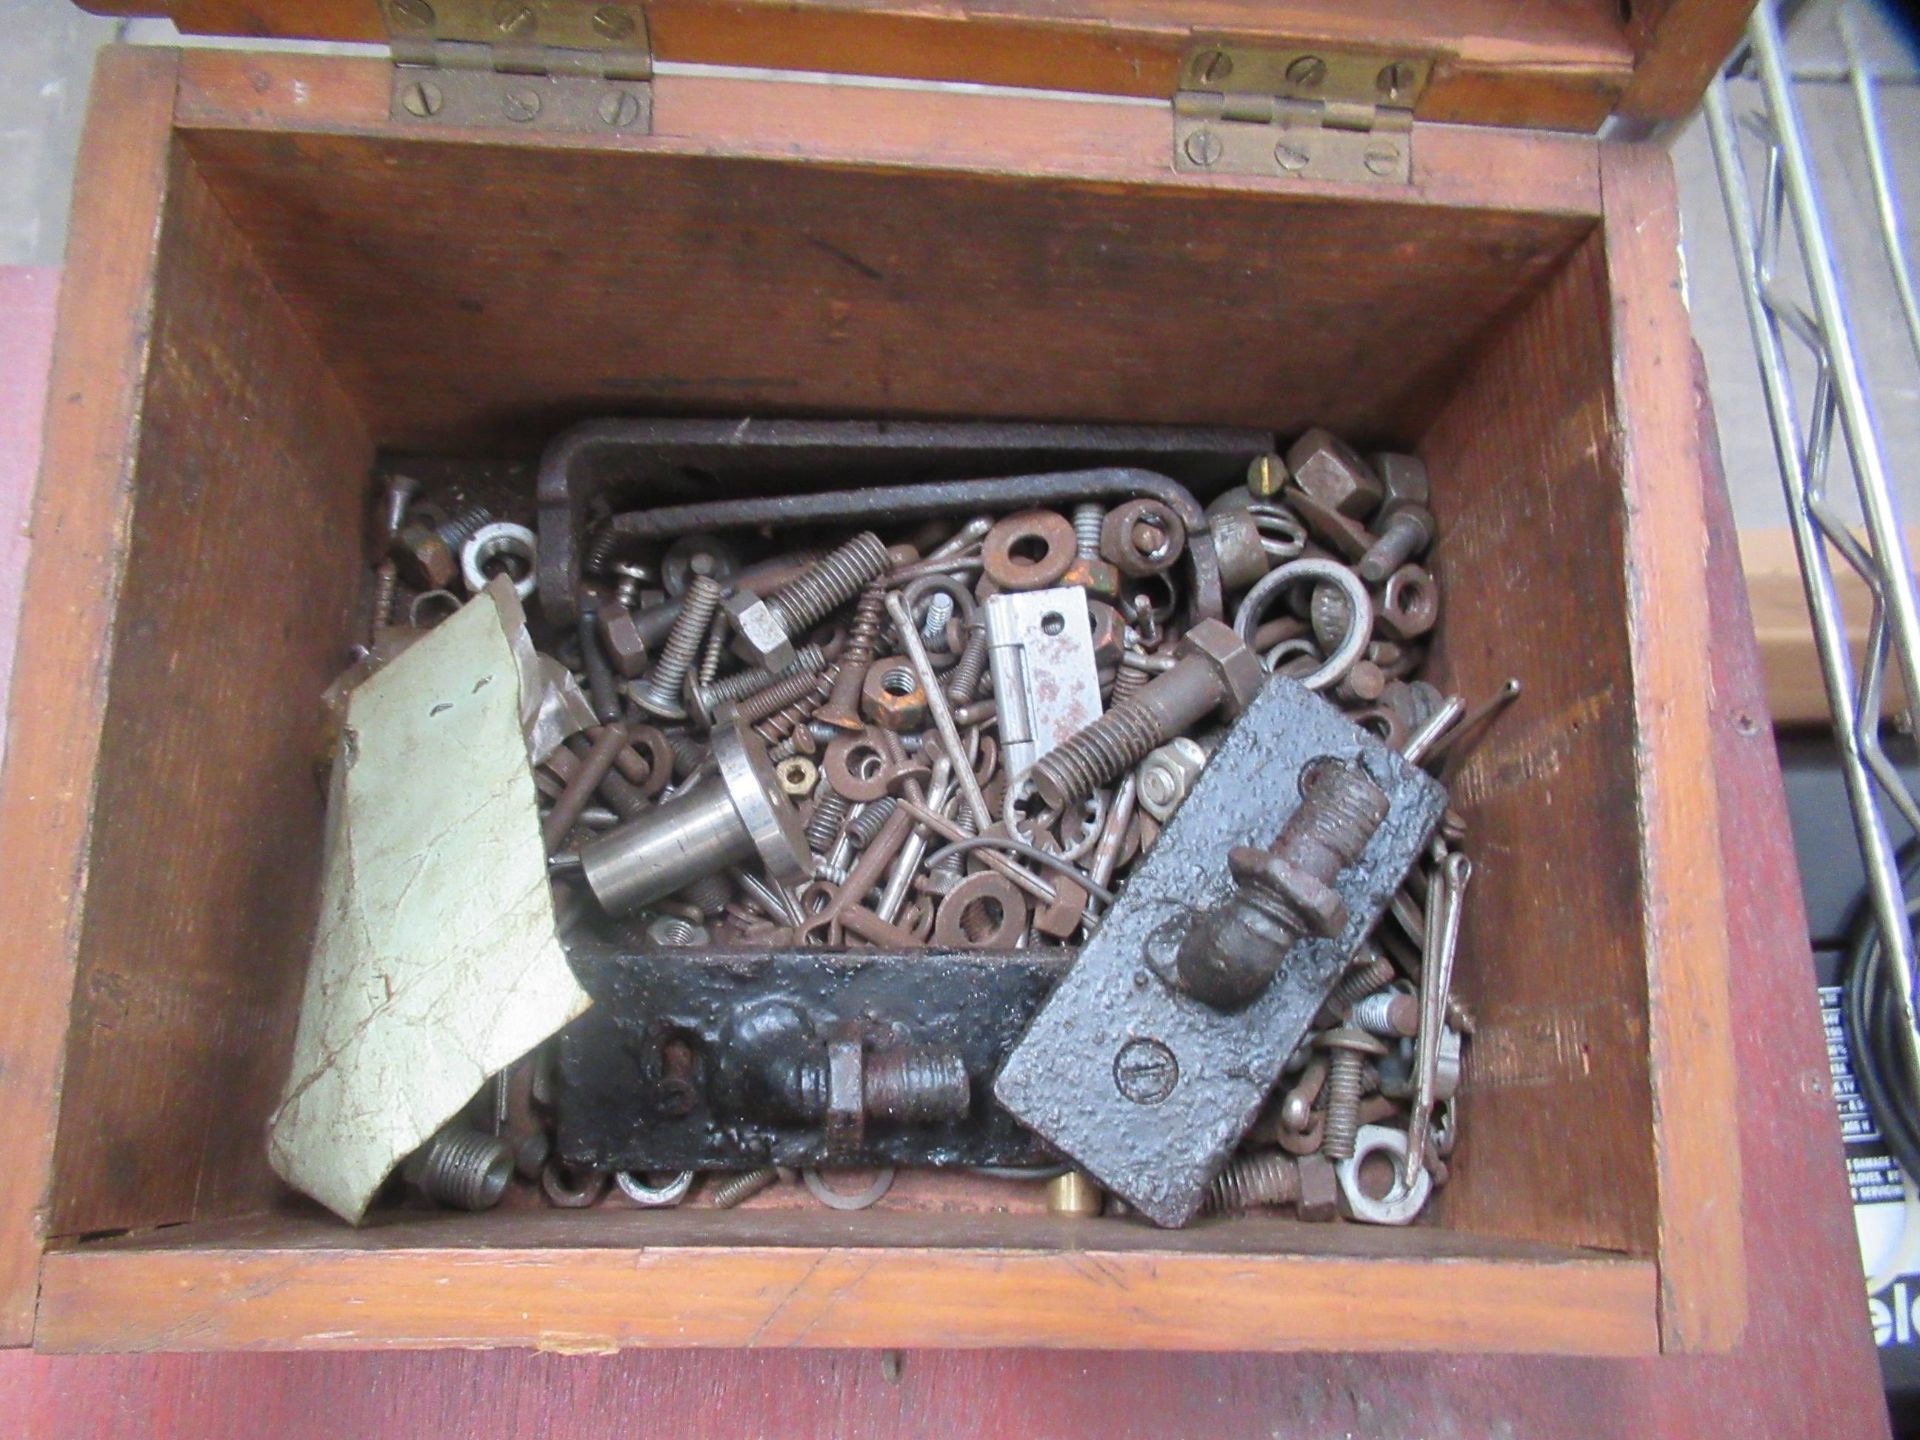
<point>277,271</point>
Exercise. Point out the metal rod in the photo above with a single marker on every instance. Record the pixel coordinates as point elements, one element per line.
<point>1884,202</point>
<point>937,707</point>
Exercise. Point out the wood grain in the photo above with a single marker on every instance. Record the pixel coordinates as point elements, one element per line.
<point>1796,688</point>
<point>1677,46</point>
<point>1532,560</point>
<point>60,672</point>
<point>597,1294</point>
<point>1695,1084</point>
<point>807,288</point>
<point>244,558</point>
<point>1559,66</point>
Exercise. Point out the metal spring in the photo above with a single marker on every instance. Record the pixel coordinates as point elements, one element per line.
<point>466,1169</point>
<point>829,814</point>
<point>965,680</point>
<point>933,625</point>
<point>697,607</point>
<point>1250,1181</point>
<point>829,583</point>
<point>1130,678</point>
<point>1088,518</point>
<point>863,827</point>
<point>748,1183</point>
<point>462,524</point>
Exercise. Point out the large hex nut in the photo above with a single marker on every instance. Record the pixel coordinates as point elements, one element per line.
<point>1346,537</point>
<point>1319,904</point>
<point>1232,659</point>
<point>1029,551</point>
<point>1409,604</point>
<point>1402,478</point>
<point>758,638</point>
<point>425,561</point>
<point>1319,1189</point>
<point>621,638</point>
<point>892,697</point>
<point>1142,537</point>
<point>1327,468</point>
<point>1236,545</point>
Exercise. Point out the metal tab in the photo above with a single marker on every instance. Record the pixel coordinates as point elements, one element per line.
<point>538,65</point>
<point>1040,645</point>
<point>1297,113</point>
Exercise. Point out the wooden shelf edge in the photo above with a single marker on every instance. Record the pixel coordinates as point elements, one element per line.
<point>593,1300</point>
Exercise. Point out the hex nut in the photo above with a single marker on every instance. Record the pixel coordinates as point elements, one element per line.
<point>620,637</point>
<point>1164,779</point>
<point>425,561</point>
<point>1231,658</point>
<point>1332,472</point>
<point>1409,604</point>
<point>758,637</point>
<point>797,776</point>
<point>891,695</point>
<point>1109,634</point>
<point>1345,537</point>
<point>1142,537</point>
<point>1099,579</point>
<point>1319,1189</point>
<point>1030,550</point>
<point>1402,478</point>
<point>1236,546</point>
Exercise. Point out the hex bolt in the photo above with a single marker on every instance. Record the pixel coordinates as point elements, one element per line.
<point>462,1168</point>
<point>1285,893</point>
<point>744,1186</point>
<point>1213,669</point>
<point>429,557</point>
<point>738,814</point>
<point>842,707</point>
<point>660,695</point>
<point>1087,520</point>
<point>964,681</point>
<point>1252,1181</point>
<point>910,1085</point>
<point>1387,1014</point>
<point>1408,531</point>
<point>766,628</point>
<point>1346,1077</point>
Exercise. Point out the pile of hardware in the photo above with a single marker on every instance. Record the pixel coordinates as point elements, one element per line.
<point>1061,829</point>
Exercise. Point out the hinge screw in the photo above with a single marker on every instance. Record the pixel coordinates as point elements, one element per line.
<point>612,22</point>
<point>1203,148</point>
<point>422,98</point>
<point>1393,79</point>
<point>411,14</point>
<point>1210,67</point>
<point>619,109</point>
<point>1307,72</point>
<point>522,104</point>
<point>1289,157</point>
<point>1382,159</point>
<point>510,17</point>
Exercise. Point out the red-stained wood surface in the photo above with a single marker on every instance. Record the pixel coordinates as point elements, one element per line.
<point>1803,1366</point>
<point>26,334</point>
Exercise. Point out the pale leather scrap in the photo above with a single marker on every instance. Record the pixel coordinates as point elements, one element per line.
<point>435,960</point>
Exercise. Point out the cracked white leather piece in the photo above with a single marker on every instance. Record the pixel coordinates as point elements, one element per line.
<point>435,959</point>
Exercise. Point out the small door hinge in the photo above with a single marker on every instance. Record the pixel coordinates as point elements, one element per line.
<point>1297,112</point>
<point>569,66</point>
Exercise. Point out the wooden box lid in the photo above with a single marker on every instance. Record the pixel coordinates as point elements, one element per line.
<point>1554,64</point>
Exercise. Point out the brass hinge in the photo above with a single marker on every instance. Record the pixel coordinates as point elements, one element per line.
<point>1298,112</point>
<point>549,65</point>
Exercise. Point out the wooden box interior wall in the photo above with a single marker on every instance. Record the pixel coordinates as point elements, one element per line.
<point>323,293</point>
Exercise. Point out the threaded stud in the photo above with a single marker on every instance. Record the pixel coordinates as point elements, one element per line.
<point>828,583</point>
<point>744,1186</point>
<point>1252,1181</point>
<point>1088,517</point>
<point>916,1086</point>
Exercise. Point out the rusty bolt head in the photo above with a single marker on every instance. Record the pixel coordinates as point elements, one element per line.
<point>1062,917</point>
<point>1109,634</point>
<point>426,561</point>
<point>891,696</point>
<point>1409,604</point>
<point>1319,1189</point>
<point>1344,536</point>
<point>620,637</point>
<point>1327,468</point>
<point>1096,577</point>
<point>1231,658</point>
<point>1266,474</point>
<point>1142,537</point>
<point>758,637</point>
<point>1237,547</point>
<point>1402,477</point>
<point>1319,903</point>
<point>1029,551</point>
